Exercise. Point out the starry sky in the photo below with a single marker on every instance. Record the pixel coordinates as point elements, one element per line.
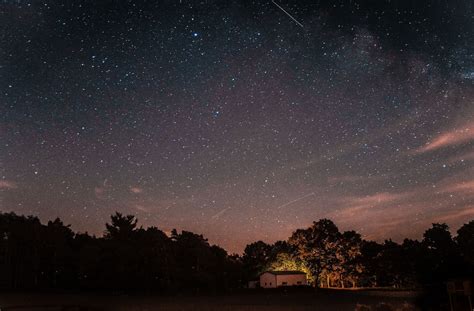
<point>240,120</point>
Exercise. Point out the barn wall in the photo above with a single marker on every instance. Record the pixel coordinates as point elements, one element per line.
<point>268,280</point>
<point>291,280</point>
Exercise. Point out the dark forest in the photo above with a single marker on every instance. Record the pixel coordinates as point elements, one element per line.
<point>132,258</point>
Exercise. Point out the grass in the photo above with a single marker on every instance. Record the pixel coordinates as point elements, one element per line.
<point>257,300</point>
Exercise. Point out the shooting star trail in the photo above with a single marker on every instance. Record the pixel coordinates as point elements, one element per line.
<point>294,19</point>
<point>221,213</point>
<point>296,200</point>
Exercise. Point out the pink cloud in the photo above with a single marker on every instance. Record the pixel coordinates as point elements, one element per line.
<point>99,191</point>
<point>452,137</point>
<point>462,158</point>
<point>136,190</point>
<point>463,213</point>
<point>347,179</point>
<point>380,204</point>
<point>380,215</point>
<point>375,199</point>
<point>463,187</point>
<point>459,183</point>
<point>7,185</point>
<point>344,179</point>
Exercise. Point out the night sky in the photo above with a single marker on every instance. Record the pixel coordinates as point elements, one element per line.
<point>239,120</point>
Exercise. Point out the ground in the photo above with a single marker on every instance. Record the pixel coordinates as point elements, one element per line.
<point>275,300</point>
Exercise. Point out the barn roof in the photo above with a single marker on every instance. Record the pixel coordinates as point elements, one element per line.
<point>284,272</point>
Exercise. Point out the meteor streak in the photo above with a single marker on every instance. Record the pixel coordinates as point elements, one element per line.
<point>220,213</point>
<point>295,200</point>
<point>294,19</point>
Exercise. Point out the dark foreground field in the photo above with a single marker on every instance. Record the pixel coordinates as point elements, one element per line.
<point>277,300</point>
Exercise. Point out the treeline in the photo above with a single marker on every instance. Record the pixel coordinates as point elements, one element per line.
<point>128,257</point>
<point>343,259</point>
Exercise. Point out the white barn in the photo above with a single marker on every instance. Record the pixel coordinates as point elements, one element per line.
<point>274,279</point>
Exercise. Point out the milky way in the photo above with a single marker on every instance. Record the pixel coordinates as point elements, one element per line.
<point>237,120</point>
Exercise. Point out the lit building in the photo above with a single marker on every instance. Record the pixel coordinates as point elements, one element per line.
<point>273,279</point>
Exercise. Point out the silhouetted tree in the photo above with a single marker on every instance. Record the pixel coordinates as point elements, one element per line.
<point>156,262</point>
<point>121,227</point>
<point>413,264</point>
<point>316,247</point>
<point>371,264</point>
<point>128,257</point>
<point>58,256</point>
<point>442,254</point>
<point>348,268</point>
<point>465,240</point>
<point>256,258</point>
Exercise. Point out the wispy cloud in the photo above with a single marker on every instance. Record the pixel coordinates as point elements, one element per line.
<point>136,190</point>
<point>380,215</point>
<point>460,183</point>
<point>350,179</point>
<point>467,157</point>
<point>357,203</point>
<point>465,187</point>
<point>465,213</point>
<point>101,191</point>
<point>381,207</point>
<point>8,185</point>
<point>456,136</point>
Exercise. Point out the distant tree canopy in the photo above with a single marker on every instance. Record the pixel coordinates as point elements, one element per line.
<point>121,228</point>
<point>465,240</point>
<point>128,257</point>
<point>334,259</point>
